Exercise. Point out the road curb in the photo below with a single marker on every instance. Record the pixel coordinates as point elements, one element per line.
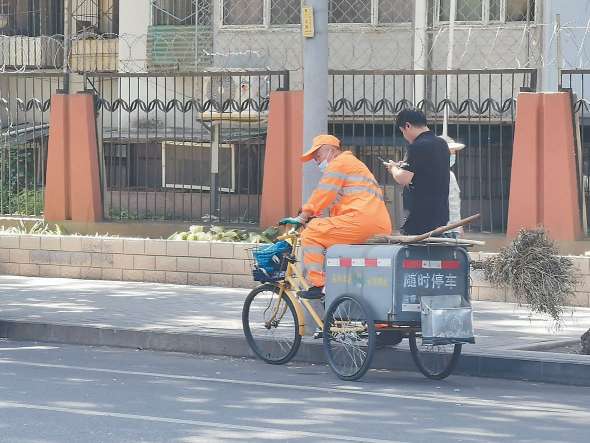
<point>515,365</point>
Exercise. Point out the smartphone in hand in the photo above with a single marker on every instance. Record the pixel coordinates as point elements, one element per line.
<point>385,162</point>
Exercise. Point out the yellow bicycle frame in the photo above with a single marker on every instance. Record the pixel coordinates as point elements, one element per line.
<point>295,281</point>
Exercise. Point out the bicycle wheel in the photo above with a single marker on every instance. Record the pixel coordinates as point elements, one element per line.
<point>349,337</point>
<point>434,361</point>
<point>271,325</point>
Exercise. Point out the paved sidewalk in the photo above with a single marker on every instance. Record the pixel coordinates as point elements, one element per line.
<point>172,308</point>
<point>502,329</point>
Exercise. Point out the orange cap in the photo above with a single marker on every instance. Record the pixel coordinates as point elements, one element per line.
<point>318,141</point>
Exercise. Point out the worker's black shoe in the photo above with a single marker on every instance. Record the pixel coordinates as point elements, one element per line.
<point>313,293</point>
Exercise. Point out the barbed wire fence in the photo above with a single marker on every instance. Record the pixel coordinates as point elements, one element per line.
<point>495,47</point>
<point>187,35</point>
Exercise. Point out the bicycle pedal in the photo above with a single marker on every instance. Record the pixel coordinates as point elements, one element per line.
<point>314,293</point>
<point>318,335</point>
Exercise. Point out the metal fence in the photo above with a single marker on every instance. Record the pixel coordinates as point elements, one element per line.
<point>191,146</point>
<point>24,128</point>
<point>186,146</point>
<point>578,82</point>
<point>481,114</point>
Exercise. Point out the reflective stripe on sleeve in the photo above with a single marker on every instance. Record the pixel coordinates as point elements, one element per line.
<point>350,178</point>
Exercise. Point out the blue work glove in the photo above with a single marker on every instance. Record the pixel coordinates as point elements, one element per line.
<point>295,221</point>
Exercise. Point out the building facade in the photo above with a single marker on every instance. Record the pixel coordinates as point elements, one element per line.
<point>168,72</point>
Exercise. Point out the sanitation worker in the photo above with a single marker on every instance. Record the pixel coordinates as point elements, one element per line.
<point>355,203</point>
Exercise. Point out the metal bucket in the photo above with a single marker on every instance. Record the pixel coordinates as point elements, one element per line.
<point>446,319</point>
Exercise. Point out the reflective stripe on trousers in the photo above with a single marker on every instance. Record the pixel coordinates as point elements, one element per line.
<point>313,262</point>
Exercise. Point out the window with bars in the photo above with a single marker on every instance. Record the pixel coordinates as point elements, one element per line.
<point>520,10</point>
<point>349,11</point>
<point>174,12</point>
<point>96,16</point>
<point>371,11</point>
<point>395,11</point>
<point>31,18</point>
<point>285,12</point>
<point>243,12</point>
<point>288,12</point>
<point>474,11</point>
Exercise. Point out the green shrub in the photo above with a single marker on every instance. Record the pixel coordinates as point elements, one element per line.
<point>219,233</point>
<point>28,202</point>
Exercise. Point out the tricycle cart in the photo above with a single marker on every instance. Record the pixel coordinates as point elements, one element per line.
<point>375,293</point>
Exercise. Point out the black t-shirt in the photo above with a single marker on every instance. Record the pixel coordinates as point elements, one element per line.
<point>427,198</point>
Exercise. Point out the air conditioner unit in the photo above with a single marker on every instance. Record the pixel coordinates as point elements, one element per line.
<point>220,88</point>
<point>237,87</point>
<point>187,165</point>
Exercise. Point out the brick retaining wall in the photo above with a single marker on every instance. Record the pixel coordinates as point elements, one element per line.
<point>178,262</point>
<point>162,261</point>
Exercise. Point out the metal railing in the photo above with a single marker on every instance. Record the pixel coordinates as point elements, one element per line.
<point>184,146</point>
<point>481,114</point>
<point>578,82</point>
<point>24,128</point>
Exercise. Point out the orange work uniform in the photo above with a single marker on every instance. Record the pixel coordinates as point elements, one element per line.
<point>357,212</point>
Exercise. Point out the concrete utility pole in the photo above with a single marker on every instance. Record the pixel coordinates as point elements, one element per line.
<point>315,85</point>
<point>67,44</point>
<point>421,48</point>
<point>450,53</point>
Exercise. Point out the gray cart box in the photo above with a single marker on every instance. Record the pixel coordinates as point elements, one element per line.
<point>393,278</point>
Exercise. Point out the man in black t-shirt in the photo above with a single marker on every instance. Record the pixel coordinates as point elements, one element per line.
<point>424,173</point>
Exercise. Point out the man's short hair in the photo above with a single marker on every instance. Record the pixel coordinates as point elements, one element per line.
<point>413,116</point>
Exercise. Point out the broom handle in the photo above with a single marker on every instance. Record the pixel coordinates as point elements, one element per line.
<point>440,230</point>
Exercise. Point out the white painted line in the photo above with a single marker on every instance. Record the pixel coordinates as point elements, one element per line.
<point>352,390</point>
<point>267,432</point>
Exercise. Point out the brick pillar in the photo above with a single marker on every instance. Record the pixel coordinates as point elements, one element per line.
<point>544,187</point>
<point>73,190</point>
<point>281,187</point>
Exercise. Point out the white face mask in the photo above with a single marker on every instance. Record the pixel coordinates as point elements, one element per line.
<point>453,159</point>
<point>323,165</point>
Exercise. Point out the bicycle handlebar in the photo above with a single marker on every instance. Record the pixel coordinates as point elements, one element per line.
<point>291,233</point>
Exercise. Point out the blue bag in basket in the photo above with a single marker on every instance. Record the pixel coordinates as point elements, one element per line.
<point>270,257</point>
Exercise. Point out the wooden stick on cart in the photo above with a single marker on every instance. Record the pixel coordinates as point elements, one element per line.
<point>430,236</point>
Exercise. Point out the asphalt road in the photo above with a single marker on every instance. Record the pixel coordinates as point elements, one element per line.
<point>62,394</point>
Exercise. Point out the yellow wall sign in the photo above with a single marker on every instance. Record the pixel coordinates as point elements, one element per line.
<point>308,27</point>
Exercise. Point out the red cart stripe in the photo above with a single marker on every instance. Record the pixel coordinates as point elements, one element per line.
<point>371,262</point>
<point>412,264</point>
<point>451,264</point>
<point>346,262</point>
